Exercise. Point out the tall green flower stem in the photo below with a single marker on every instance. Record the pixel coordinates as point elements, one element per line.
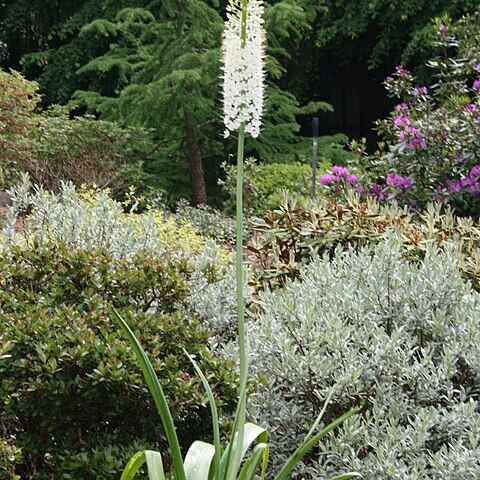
<point>247,452</point>
<point>242,344</point>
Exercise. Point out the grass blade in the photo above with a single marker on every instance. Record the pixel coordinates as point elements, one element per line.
<point>215,423</point>
<point>308,444</point>
<point>199,460</point>
<point>158,396</point>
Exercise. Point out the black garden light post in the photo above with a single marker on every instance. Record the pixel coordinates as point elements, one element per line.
<point>315,124</point>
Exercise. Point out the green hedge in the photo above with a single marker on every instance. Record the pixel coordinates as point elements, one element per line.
<point>71,393</point>
<point>265,182</point>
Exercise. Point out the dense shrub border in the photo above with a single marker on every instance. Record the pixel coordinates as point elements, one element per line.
<point>370,327</point>
<point>71,392</point>
<point>289,237</point>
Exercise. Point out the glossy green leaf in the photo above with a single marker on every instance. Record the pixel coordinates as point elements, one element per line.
<point>265,456</point>
<point>259,455</point>
<point>309,443</point>
<point>226,466</point>
<point>155,465</point>
<point>252,433</point>
<point>199,460</point>
<point>133,465</point>
<point>158,396</point>
<point>215,423</point>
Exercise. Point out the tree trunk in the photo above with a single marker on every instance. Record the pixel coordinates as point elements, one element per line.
<point>197,180</point>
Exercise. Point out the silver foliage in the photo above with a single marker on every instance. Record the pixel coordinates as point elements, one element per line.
<point>402,339</point>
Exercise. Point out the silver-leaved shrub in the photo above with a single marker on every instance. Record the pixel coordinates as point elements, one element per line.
<point>91,219</point>
<point>400,338</point>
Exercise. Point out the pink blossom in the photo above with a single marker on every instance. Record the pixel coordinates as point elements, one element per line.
<point>471,107</point>
<point>401,121</point>
<point>415,139</point>
<point>417,143</point>
<point>376,190</point>
<point>352,179</point>
<point>442,30</point>
<point>327,178</point>
<point>396,180</point>
<point>475,171</point>
<point>402,71</point>
<point>417,92</point>
<point>340,171</point>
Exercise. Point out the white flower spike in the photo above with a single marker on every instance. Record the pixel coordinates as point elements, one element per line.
<point>243,68</point>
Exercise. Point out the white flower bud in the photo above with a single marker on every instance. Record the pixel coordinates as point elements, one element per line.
<point>243,69</point>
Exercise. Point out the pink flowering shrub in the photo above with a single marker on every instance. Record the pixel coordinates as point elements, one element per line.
<point>432,136</point>
<point>340,180</point>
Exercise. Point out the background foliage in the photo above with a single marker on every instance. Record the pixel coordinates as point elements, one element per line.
<point>115,93</point>
<point>141,63</point>
<point>287,239</point>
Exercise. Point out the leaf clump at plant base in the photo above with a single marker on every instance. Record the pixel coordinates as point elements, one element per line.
<point>71,392</point>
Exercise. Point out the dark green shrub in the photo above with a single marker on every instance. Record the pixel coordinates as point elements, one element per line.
<point>9,453</point>
<point>86,151</point>
<point>71,387</point>
<point>53,148</point>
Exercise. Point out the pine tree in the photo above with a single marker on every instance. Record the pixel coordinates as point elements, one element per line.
<point>161,73</point>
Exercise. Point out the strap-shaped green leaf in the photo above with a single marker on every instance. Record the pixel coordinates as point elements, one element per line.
<point>309,443</point>
<point>226,466</point>
<point>133,465</point>
<point>155,465</point>
<point>260,454</point>
<point>252,433</point>
<point>198,460</point>
<point>215,472</point>
<point>158,396</point>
